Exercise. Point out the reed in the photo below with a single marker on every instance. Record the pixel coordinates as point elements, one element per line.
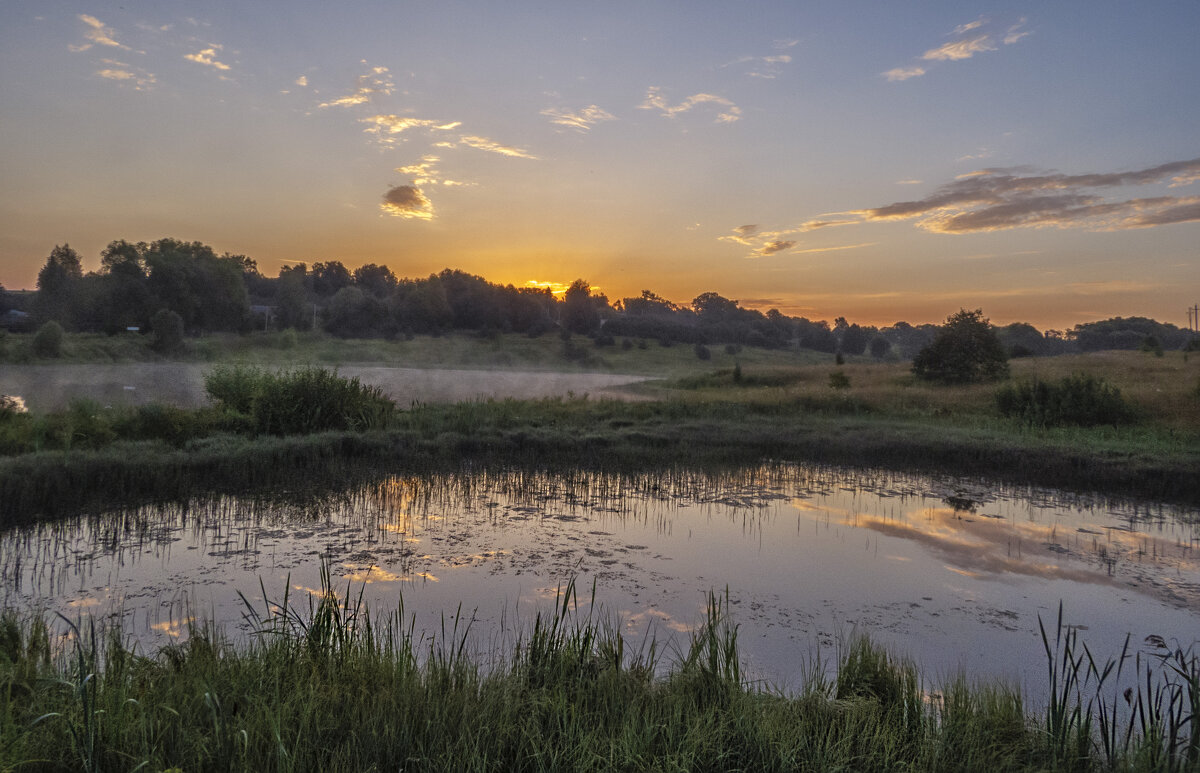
<point>329,686</point>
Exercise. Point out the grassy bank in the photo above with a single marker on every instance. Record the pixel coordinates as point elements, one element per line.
<point>604,435</point>
<point>877,415</point>
<point>333,688</point>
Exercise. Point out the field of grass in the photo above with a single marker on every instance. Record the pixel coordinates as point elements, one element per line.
<point>332,687</point>
<point>1164,391</point>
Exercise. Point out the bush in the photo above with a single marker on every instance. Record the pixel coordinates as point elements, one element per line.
<point>839,380</point>
<point>1079,400</point>
<point>234,388</point>
<point>702,352</point>
<point>47,342</point>
<point>168,330</point>
<point>965,350</point>
<point>300,401</point>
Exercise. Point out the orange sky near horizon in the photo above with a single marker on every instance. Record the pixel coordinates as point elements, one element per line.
<point>1039,162</point>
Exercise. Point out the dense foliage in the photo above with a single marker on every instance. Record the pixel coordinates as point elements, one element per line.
<point>1080,400</point>
<point>299,401</point>
<point>965,350</point>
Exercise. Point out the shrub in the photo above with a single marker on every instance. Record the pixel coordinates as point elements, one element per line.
<point>702,352</point>
<point>47,342</point>
<point>839,380</point>
<point>300,401</point>
<point>234,388</point>
<point>1080,400</point>
<point>168,330</point>
<point>964,350</point>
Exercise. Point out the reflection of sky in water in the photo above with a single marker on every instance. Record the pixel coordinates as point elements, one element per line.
<point>949,573</point>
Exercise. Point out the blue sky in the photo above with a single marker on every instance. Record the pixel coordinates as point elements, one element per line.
<point>881,161</point>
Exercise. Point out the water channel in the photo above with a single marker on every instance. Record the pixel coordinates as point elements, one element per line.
<point>953,573</point>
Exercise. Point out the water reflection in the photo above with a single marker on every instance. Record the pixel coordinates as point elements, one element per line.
<point>951,572</point>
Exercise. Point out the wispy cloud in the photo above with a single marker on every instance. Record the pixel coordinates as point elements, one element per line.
<point>97,34</point>
<point>973,38</point>
<point>208,56</point>
<point>125,73</point>
<point>385,128</point>
<point>904,73</point>
<point>963,29</point>
<point>491,146</point>
<point>766,243</point>
<point>582,120</point>
<point>1015,33</point>
<point>301,81</point>
<point>1000,199</point>
<point>766,66</point>
<point>425,172</point>
<point>727,111</point>
<point>960,49</point>
<point>377,80</point>
<point>407,201</point>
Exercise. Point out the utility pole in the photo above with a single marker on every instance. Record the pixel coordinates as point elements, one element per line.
<point>1194,319</point>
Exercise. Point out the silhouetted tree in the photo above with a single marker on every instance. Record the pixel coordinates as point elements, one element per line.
<point>207,291</point>
<point>355,314</point>
<point>816,335</point>
<point>292,308</point>
<point>422,306</point>
<point>648,304</point>
<point>122,298</point>
<point>329,277</point>
<point>377,280</point>
<point>964,350</point>
<point>56,284</point>
<point>579,311</point>
<point>879,347</point>
<point>712,308</point>
<point>853,338</point>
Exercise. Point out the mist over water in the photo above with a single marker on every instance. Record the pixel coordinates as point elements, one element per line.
<point>52,387</point>
<point>951,572</point>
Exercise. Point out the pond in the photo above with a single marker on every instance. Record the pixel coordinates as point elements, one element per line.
<point>953,573</point>
<point>51,387</point>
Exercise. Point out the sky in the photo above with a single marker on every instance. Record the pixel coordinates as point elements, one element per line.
<point>879,161</point>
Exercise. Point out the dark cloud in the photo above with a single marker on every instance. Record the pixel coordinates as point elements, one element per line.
<point>995,199</point>
<point>407,201</point>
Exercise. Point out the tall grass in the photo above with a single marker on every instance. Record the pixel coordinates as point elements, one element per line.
<point>329,686</point>
<point>299,401</point>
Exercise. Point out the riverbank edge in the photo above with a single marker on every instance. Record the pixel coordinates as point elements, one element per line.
<point>606,436</point>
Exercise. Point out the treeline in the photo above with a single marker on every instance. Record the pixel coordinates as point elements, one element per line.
<point>188,287</point>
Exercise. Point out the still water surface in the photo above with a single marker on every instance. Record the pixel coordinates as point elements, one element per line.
<point>953,573</point>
